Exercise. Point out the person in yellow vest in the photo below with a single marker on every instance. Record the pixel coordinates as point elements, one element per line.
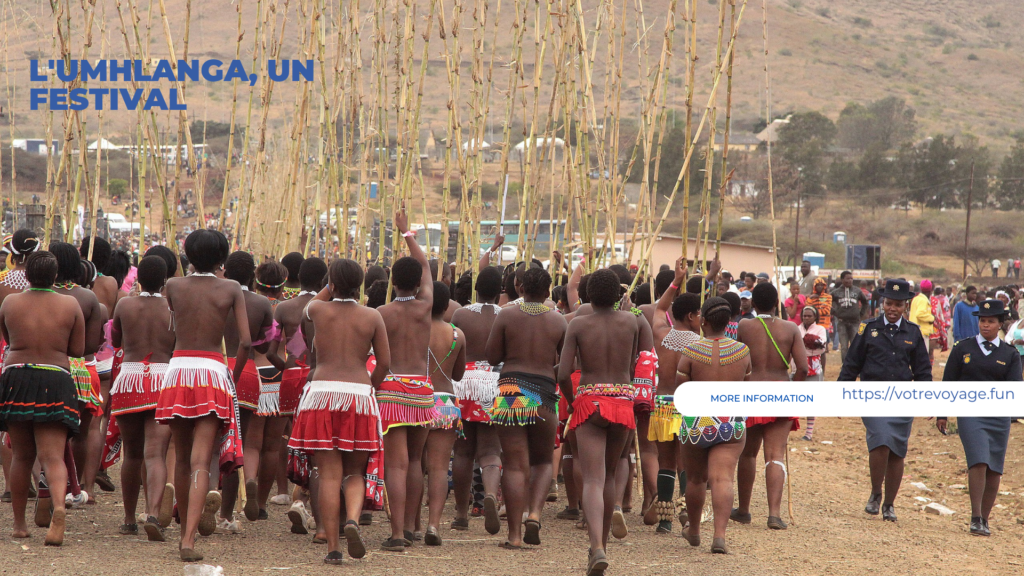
<point>921,312</point>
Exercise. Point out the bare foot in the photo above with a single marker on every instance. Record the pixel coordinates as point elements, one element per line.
<point>20,533</point>
<point>55,535</point>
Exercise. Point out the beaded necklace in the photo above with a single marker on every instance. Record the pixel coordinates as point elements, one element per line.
<point>40,290</point>
<point>210,274</point>
<point>345,300</point>
<point>534,308</point>
<point>403,298</point>
<point>678,340</point>
<point>65,285</point>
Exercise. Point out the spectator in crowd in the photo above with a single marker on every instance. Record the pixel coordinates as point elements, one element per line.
<point>965,323</point>
<point>850,307</point>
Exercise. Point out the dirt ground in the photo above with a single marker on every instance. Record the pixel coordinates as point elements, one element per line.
<point>830,533</point>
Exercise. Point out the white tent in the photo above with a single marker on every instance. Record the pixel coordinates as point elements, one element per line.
<point>484,145</point>
<point>103,144</point>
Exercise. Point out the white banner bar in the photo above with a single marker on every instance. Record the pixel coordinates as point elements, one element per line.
<point>919,399</point>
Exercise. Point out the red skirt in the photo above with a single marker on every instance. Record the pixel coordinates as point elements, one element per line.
<point>563,405</point>
<point>292,383</point>
<point>197,384</point>
<point>613,401</point>
<point>337,416</point>
<point>643,381</point>
<point>406,401</point>
<point>758,420</point>
<point>476,391</point>
<point>248,386</point>
<point>137,387</point>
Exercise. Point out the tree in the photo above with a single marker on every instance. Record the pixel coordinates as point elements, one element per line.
<point>886,123</point>
<point>213,130</point>
<point>803,145</point>
<point>937,173</point>
<point>1009,193</point>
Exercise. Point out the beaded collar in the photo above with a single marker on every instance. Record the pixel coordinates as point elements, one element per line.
<point>403,298</point>
<point>678,340</point>
<point>534,308</point>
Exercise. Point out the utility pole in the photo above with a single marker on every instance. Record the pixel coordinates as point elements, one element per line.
<point>796,236</point>
<point>967,228</point>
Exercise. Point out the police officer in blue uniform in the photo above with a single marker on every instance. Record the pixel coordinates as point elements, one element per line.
<point>888,348</point>
<point>979,359</point>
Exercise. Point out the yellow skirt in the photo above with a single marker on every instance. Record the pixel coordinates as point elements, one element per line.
<point>665,420</point>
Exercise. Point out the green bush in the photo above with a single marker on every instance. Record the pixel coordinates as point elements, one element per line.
<point>972,56</point>
<point>991,21</point>
<point>949,48</point>
<point>862,22</point>
<point>823,12</point>
<point>117,187</point>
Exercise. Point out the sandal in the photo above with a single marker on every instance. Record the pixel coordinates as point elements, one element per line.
<point>208,518</point>
<point>129,530</point>
<point>460,524</point>
<point>776,523</point>
<point>432,538</point>
<point>319,540</point>
<point>393,545</point>
<point>510,546</point>
<point>619,529</point>
<point>189,555</point>
<point>735,516</point>
<point>492,522</point>
<point>718,546</point>
<point>333,557</point>
<point>356,548</point>
<point>154,532</point>
<point>692,539</point>
<point>568,514</point>
<point>366,519</point>
<point>532,535</point>
<point>597,564</point>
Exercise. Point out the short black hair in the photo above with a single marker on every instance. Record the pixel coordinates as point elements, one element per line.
<point>642,294</point>
<point>100,251</point>
<point>558,294</point>
<point>377,294</point>
<point>969,289</point>
<point>270,276</point>
<point>69,263</point>
<point>442,299</point>
<point>118,267</point>
<point>536,282</point>
<point>805,262</point>
<point>292,262</point>
<point>734,300</point>
<point>24,242</point>
<point>694,283</point>
<point>183,262</point>
<point>764,297</point>
<point>717,312</point>
<point>41,269</point>
<point>463,292</point>
<point>603,288</point>
<point>240,267</point>
<point>662,281</point>
<point>684,305</point>
<point>373,273</point>
<point>312,274</point>
<point>169,259</point>
<point>488,283</point>
<point>844,274</point>
<point>152,273</point>
<point>407,273</point>
<point>206,249</point>
<point>346,278</point>
<point>581,290</point>
<point>508,281</point>
<point>622,273</point>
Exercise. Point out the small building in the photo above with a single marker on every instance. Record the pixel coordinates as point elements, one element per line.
<point>35,145</point>
<point>741,142</point>
<point>771,132</point>
<point>734,256</point>
<point>743,189</point>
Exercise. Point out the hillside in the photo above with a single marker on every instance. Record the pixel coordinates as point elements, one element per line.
<point>957,63</point>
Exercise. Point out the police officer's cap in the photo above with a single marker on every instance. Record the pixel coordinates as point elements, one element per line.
<point>990,308</point>
<point>896,289</point>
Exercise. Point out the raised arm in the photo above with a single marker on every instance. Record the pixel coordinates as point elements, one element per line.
<point>573,287</point>
<point>426,292</point>
<point>669,296</point>
<point>485,260</point>
<point>244,337</point>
